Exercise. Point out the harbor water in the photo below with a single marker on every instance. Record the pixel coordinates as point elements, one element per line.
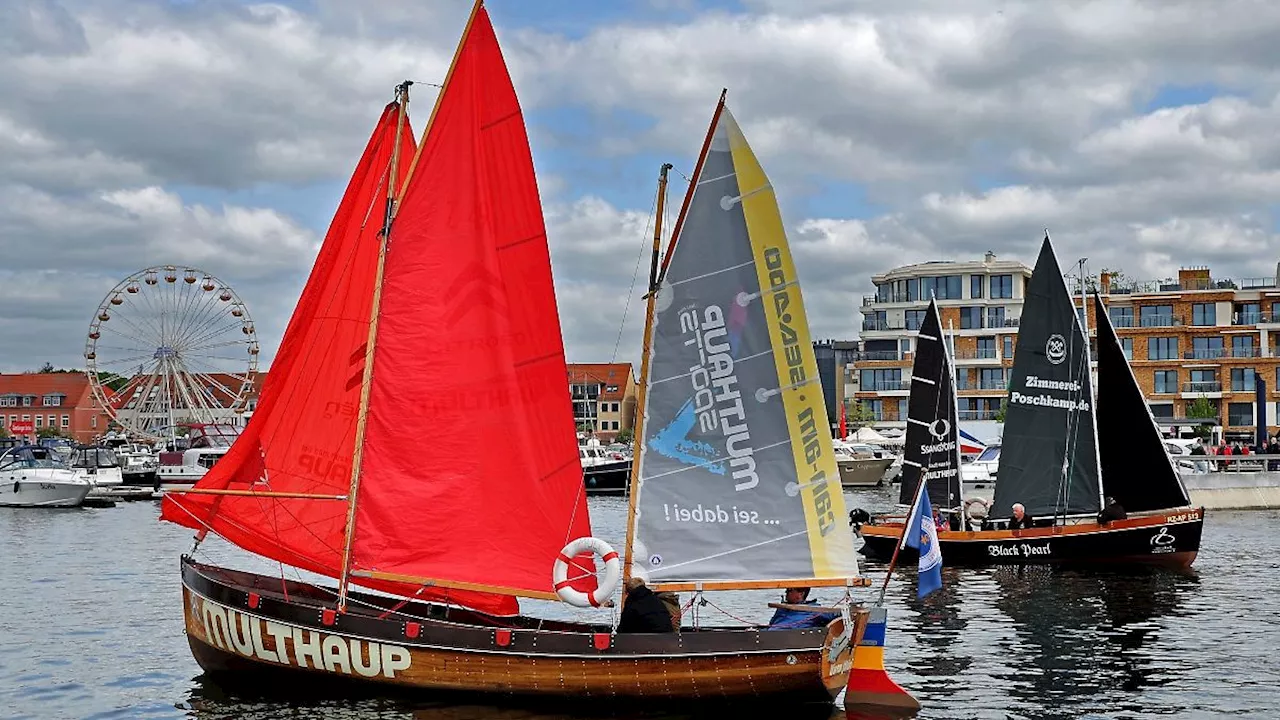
<point>91,627</point>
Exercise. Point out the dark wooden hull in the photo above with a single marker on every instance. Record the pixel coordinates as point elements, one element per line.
<point>611,479</point>
<point>242,623</point>
<point>1169,537</point>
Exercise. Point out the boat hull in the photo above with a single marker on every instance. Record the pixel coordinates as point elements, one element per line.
<point>36,493</point>
<point>243,622</point>
<point>1169,537</point>
<point>607,479</point>
<point>863,472</point>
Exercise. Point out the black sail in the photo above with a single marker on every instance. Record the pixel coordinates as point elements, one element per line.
<point>1049,458</point>
<point>1136,468</point>
<point>931,443</point>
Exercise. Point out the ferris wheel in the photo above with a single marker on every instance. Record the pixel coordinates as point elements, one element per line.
<point>171,345</point>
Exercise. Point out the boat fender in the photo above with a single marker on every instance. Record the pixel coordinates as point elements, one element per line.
<point>972,515</point>
<point>17,485</point>
<point>604,589</point>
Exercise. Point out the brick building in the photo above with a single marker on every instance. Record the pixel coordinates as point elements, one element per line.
<point>604,398</point>
<point>63,401</point>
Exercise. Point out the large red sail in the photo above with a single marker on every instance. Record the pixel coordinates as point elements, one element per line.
<point>302,435</point>
<point>470,471</point>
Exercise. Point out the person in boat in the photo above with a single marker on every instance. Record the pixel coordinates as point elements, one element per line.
<point>786,618</point>
<point>643,611</point>
<point>1112,511</point>
<point>1020,520</point>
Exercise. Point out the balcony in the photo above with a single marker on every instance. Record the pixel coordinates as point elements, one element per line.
<point>978,414</point>
<point>1205,354</point>
<point>877,355</point>
<point>873,325</point>
<point>1123,321</point>
<point>1161,321</point>
<point>978,354</point>
<point>1202,386</point>
<point>886,386</point>
<point>1251,318</point>
<point>1252,351</point>
<point>1001,384</point>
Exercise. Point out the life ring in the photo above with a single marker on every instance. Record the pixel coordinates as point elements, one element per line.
<point>986,508</point>
<point>604,589</point>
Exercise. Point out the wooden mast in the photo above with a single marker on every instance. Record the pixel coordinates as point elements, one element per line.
<point>637,433</point>
<point>393,195</point>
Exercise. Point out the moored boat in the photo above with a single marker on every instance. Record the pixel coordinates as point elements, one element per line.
<point>1062,461</point>
<point>37,476</point>
<point>450,301</point>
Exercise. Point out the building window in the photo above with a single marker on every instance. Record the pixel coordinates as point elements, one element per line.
<point>986,348</point>
<point>904,346</point>
<point>963,381</point>
<point>28,400</point>
<point>1008,346</point>
<point>93,421</point>
<point>995,317</point>
<point>975,286</point>
<point>66,421</point>
<point>52,400</point>
<point>1161,348</point>
<point>874,408</point>
<point>1203,381</point>
<point>1166,381</point>
<point>1239,414</point>
<point>913,289</point>
<point>884,292</point>
<point>1157,316</point>
<point>1204,314</point>
<point>878,320</point>
<point>880,379</point>
<point>991,379</point>
<point>39,421</point>
<point>1001,287</point>
<point>1162,410</point>
<point>970,318</point>
<point>1206,348</point>
<point>915,318</point>
<point>53,421</point>
<point>1242,379</point>
<point>1121,317</point>
<point>1242,346</point>
<point>1248,313</point>
<point>1126,344</point>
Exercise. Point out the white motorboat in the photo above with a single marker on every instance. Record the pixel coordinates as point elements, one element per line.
<point>188,461</point>
<point>99,466</point>
<point>35,476</point>
<point>861,465</point>
<point>604,471</point>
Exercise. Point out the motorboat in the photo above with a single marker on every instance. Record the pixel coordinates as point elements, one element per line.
<point>99,465</point>
<point>138,464</point>
<point>861,465</point>
<point>605,471</point>
<point>186,462</point>
<point>37,476</point>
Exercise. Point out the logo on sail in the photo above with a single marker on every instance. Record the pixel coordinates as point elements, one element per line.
<point>940,429</point>
<point>1056,349</point>
<point>1162,541</point>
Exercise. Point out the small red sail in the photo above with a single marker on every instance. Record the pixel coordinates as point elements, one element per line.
<point>302,435</point>
<point>470,471</point>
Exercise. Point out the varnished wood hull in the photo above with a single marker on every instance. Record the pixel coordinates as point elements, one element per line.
<point>1170,538</point>
<point>238,622</point>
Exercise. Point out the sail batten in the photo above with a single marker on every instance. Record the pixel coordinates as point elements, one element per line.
<point>736,478</point>
<point>1049,457</point>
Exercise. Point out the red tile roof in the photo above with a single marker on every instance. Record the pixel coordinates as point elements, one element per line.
<point>606,374</point>
<point>228,380</point>
<point>74,385</point>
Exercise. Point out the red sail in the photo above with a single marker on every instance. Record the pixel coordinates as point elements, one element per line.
<point>302,435</point>
<point>470,471</point>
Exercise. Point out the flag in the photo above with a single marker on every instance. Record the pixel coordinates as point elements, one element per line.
<point>922,534</point>
<point>844,428</point>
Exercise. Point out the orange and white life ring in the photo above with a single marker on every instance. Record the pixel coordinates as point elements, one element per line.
<point>968,505</point>
<point>604,589</point>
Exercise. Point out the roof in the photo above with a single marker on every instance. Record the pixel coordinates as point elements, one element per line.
<point>220,380</point>
<point>74,385</point>
<point>606,374</point>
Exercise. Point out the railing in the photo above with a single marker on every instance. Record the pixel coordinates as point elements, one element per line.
<point>1202,386</point>
<point>877,355</point>
<point>873,325</point>
<point>1123,321</point>
<point>884,416</point>
<point>1249,318</point>
<point>1252,351</point>
<point>1161,321</point>
<point>1253,462</point>
<point>1001,384</point>
<point>1205,354</point>
<point>868,300</point>
<point>978,354</point>
<point>978,414</point>
<point>885,386</point>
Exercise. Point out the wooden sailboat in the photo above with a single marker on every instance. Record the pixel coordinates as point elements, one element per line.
<point>1060,459</point>
<point>436,320</point>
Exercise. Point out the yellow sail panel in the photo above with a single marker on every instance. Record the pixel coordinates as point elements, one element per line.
<point>830,541</point>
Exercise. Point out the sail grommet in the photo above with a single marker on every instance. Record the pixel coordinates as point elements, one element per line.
<point>604,589</point>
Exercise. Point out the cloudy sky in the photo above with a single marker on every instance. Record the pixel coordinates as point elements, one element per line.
<point>220,134</point>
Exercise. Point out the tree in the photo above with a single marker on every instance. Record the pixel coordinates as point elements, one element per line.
<point>857,414</point>
<point>46,368</point>
<point>999,416</point>
<point>47,432</point>
<point>1202,409</point>
<point>624,435</point>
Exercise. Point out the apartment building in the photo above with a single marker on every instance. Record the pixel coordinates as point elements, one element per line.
<point>981,304</point>
<point>62,401</point>
<point>604,398</point>
<point>834,358</point>
<point>1201,337</point>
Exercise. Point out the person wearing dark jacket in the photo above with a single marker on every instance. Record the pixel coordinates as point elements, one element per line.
<point>1113,511</point>
<point>786,618</point>
<point>643,611</point>
<point>1020,520</point>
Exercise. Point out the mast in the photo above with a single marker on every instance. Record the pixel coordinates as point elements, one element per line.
<point>948,350</point>
<point>693,184</point>
<point>362,418</point>
<point>1088,375</point>
<point>637,433</point>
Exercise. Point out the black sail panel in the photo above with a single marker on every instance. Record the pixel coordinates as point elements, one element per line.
<point>1048,458</point>
<point>931,442</point>
<point>1136,468</point>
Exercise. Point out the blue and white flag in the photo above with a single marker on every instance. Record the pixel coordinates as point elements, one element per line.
<point>922,534</point>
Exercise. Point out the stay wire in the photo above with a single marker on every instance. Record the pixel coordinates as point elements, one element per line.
<point>635,274</point>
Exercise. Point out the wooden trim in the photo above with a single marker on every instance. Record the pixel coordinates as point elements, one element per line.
<point>435,108</point>
<point>758,584</point>
<point>454,584</point>
<point>693,182</point>
<point>255,493</point>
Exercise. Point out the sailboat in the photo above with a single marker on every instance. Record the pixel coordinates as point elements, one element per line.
<point>429,316</point>
<point>1061,459</point>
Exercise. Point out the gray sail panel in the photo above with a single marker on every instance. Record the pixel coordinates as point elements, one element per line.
<point>1048,458</point>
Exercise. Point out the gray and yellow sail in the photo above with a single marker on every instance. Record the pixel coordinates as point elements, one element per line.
<point>737,484</point>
